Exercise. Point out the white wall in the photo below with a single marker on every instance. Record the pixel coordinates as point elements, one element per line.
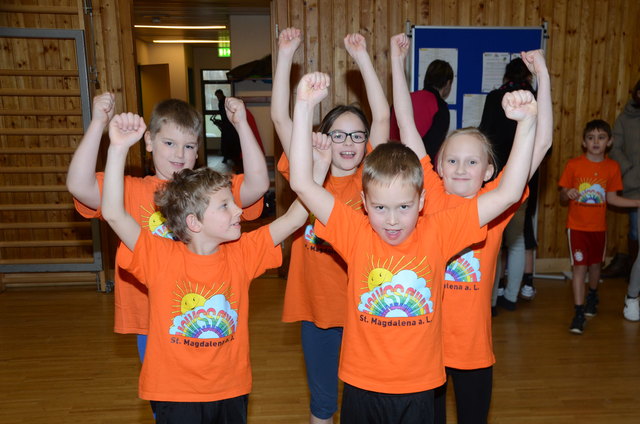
<point>251,40</point>
<point>171,54</point>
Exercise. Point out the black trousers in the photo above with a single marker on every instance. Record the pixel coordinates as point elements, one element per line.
<point>472,389</point>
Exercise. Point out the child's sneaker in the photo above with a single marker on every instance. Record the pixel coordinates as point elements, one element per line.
<point>527,292</point>
<point>591,306</point>
<point>577,324</point>
<point>632,309</point>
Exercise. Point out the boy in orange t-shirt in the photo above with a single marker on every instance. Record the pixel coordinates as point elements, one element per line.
<point>588,183</point>
<point>173,139</point>
<point>391,357</point>
<point>196,368</point>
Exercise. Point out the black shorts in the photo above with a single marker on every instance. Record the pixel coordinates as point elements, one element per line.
<point>225,411</point>
<point>361,406</point>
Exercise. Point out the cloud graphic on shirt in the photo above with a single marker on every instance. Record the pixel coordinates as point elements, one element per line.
<point>215,319</point>
<point>406,295</point>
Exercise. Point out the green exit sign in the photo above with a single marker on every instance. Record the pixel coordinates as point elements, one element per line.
<point>224,51</point>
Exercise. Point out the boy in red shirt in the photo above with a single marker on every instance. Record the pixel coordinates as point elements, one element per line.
<point>173,139</point>
<point>196,368</point>
<point>588,183</point>
<point>391,357</point>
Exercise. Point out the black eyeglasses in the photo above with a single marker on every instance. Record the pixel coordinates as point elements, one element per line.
<point>339,137</point>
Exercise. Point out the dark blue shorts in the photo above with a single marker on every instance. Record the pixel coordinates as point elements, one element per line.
<point>321,349</point>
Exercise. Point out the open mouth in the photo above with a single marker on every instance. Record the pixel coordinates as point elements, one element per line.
<point>393,234</point>
<point>348,155</point>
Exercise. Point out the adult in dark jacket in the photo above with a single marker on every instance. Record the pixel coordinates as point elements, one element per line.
<point>501,131</point>
<point>430,110</point>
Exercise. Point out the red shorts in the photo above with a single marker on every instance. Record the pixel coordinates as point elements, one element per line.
<point>587,247</point>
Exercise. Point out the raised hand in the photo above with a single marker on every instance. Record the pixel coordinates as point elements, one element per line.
<point>289,40</point>
<point>520,105</point>
<point>400,45</point>
<point>126,129</point>
<point>313,87</point>
<point>355,44</point>
<point>103,108</point>
<point>534,59</point>
<point>321,155</point>
<point>236,111</point>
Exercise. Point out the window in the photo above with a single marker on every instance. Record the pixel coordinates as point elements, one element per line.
<point>213,80</point>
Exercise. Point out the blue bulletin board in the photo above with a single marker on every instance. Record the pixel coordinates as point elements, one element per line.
<point>479,51</point>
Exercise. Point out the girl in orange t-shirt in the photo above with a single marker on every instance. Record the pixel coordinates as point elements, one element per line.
<point>317,280</point>
<point>465,163</point>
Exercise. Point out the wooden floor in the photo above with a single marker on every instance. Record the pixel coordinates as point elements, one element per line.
<point>61,363</point>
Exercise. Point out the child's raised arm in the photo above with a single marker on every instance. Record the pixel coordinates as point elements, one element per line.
<point>81,178</point>
<point>534,60</point>
<point>124,131</point>
<point>311,90</point>
<point>409,134</point>
<point>256,176</point>
<point>519,106</point>
<point>288,42</point>
<point>356,46</point>
<point>296,215</point>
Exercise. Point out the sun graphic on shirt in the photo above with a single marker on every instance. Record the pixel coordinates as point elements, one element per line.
<point>152,218</point>
<point>583,186</point>
<point>380,273</point>
<point>187,297</point>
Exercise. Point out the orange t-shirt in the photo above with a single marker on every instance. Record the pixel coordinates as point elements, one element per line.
<point>593,180</point>
<point>317,281</point>
<point>198,345</point>
<point>131,304</point>
<point>469,276</point>
<point>392,340</point>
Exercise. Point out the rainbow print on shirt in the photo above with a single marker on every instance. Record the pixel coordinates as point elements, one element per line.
<point>591,192</point>
<point>394,291</point>
<point>201,314</point>
<point>464,268</point>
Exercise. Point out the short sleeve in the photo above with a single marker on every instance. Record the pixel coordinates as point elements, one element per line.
<point>252,211</point>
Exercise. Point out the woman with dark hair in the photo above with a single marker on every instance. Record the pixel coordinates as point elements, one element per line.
<point>430,110</point>
<point>501,131</point>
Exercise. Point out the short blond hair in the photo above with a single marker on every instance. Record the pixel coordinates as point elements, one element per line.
<point>389,162</point>
<point>178,112</point>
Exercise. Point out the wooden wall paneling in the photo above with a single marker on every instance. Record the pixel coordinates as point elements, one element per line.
<point>451,12</point>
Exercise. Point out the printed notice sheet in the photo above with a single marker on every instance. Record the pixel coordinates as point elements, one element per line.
<point>493,66</point>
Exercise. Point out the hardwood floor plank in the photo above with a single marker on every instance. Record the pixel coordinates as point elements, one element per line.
<point>60,361</point>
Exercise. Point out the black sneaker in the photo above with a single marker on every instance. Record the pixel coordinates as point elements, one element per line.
<point>591,306</point>
<point>505,303</point>
<point>577,324</point>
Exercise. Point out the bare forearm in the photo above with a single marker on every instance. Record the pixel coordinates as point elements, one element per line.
<point>256,177</point>
<point>113,209</point>
<point>621,202</point>
<point>544,126</point>
<point>81,177</point>
<point>377,100</point>
<point>280,100</point>
<point>404,109</point>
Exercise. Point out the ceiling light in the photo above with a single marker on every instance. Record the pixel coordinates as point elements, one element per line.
<point>182,26</point>
<point>191,41</point>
